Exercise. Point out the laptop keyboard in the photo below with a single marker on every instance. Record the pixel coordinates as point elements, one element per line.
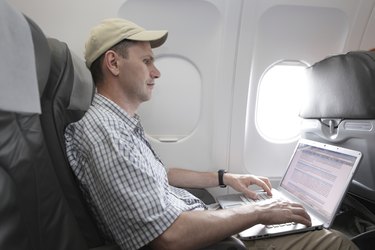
<point>281,225</point>
<point>261,197</point>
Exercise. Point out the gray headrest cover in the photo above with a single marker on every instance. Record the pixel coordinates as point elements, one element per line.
<point>341,86</point>
<point>82,92</point>
<point>19,84</point>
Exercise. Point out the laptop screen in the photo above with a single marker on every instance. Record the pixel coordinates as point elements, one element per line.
<point>319,174</point>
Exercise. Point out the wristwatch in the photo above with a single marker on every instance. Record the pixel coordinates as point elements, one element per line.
<point>220,174</point>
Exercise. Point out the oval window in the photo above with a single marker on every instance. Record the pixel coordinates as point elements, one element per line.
<point>173,111</point>
<point>278,101</point>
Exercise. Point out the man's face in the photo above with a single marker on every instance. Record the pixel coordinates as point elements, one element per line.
<point>138,72</point>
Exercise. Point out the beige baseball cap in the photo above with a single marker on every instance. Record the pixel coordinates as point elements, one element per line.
<point>111,31</point>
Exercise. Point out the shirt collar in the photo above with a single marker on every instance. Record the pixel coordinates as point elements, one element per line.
<point>102,102</point>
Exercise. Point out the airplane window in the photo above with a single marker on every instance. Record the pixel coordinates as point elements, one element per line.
<point>278,102</point>
<point>174,109</point>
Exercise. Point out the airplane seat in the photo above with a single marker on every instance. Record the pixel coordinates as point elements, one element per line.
<point>67,96</point>
<point>338,107</point>
<point>13,234</point>
<point>56,114</point>
<point>34,214</point>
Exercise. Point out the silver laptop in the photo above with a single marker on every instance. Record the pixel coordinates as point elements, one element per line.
<point>317,176</point>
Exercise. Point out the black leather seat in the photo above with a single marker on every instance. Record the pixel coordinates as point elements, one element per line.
<point>34,213</point>
<point>58,110</point>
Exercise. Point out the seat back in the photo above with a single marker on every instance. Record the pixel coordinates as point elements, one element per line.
<point>14,236</point>
<point>33,210</point>
<point>67,96</point>
<point>339,108</point>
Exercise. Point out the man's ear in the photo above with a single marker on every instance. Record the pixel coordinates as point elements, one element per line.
<point>110,62</point>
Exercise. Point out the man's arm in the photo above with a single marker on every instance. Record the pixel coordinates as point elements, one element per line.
<point>196,229</point>
<point>194,179</point>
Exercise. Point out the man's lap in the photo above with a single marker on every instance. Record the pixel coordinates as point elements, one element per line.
<point>319,239</point>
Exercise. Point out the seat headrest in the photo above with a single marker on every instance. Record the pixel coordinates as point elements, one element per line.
<point>83,86</point>
<point>69,72</point>
<point>341,86</point>
<point>19,84</point>
<point>42,54</point>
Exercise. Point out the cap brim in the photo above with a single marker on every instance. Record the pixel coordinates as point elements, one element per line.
<point>155,37</point>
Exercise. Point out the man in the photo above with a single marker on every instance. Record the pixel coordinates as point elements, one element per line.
<point>132,194</point>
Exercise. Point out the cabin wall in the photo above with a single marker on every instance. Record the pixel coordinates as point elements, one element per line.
<point>277,30</point>
<point>202,115</point>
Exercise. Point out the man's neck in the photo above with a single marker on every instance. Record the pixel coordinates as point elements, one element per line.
<point>120,100</point>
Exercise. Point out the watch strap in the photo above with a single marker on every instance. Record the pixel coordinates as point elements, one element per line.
<point>220,174</point>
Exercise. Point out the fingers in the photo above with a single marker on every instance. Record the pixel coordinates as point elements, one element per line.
<point>283,212</point>
<point>241,183</point>
<point>298,214</point>
<point>267,187</point>
<point>262,182</point>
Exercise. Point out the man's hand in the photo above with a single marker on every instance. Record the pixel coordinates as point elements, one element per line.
<point>282,212</point>
<point>241,184</point>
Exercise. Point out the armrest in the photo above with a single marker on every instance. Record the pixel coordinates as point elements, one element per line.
<point>231,243</point>
<point>202,194</point>
<point>365,240</point>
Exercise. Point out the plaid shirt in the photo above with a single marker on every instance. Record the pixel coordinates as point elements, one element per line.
<point>122,179</point>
